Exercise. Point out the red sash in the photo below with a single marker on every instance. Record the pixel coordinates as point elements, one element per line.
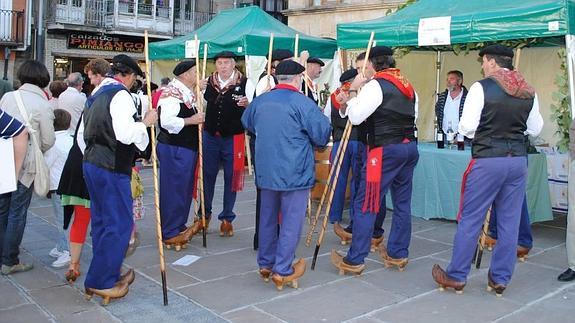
<point>467,171</point>
<point>374,164</point>
<point>239,159</point>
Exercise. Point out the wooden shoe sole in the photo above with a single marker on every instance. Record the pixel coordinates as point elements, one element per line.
<point>389,262</point>
<point>492,286</point>
<point>337,261</point>
<point>265,273</point>
<point>118,291</point>
<point>290,280</point>
<point>444,282</point>
<point>343,235</point>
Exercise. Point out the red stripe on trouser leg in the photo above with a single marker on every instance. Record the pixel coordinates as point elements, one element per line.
<point>80,224</point>
<point>463,181</point>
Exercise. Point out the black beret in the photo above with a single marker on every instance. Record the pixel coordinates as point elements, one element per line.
<point>289,67</point>
<point>380,51</point>
<point>183,67</point>
<point>281,54</point>
<point>348,75</point>
<point>126,60</point>
<point>225,54</point>
<point>498,50</point>
<point>315,60</point>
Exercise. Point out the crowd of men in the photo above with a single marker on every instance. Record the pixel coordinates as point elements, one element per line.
<point>95,177</point>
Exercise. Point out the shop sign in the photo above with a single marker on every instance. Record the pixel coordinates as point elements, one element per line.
<point>113,43</point>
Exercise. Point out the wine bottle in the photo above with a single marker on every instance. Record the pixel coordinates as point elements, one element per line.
<point>460,142</point>
<point>439,137</point>
<point>450,135</point>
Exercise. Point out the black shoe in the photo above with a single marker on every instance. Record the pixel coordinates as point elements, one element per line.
<point>567,276</point>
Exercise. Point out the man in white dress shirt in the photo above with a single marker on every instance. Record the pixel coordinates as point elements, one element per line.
<point>178,153</point>
<point>449,105</point>
<point>499,112</point>
<point>110,137</point>
<point>73,100</point>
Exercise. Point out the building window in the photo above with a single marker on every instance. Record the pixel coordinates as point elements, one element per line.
<point>125,6</point>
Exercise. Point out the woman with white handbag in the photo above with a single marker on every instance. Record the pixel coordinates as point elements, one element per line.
<point>29,105</point>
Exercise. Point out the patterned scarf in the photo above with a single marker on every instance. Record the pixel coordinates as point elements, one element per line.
<point>237,77</point>
<point>513,83</point>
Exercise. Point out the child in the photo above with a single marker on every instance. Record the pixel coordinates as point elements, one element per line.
<point>55,159</point>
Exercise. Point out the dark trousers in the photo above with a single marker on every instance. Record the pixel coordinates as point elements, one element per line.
<point>177,171</point>
<point>218,150</point>
<point>525,238</point>
<point>112,223</point>
<point>13,212</point>
<point>399,161</point>
<point>498,181</point>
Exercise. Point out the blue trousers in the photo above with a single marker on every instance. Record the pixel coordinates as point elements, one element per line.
<point>500,182</point>
<point>277,252</point>
<point>399,161</point>
<point>525,238</point>
<point>354,159</point>
<point>177,170</point>
<point>13,212</point>
<point>112,223</point>
<point>218,150</point>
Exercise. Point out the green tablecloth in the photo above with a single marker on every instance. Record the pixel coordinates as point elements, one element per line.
<point>437,184</point>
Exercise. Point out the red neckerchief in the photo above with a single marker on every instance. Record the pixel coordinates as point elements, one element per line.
<point>513,83</point>
<point>345,88</point>
<point>394,76</point>
<point>284,86</point>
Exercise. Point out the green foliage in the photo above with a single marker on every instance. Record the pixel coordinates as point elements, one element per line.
<point>401,6</point>
<point>560,110</point>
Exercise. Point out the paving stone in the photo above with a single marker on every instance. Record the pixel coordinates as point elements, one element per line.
<point>24,314</point>
<point>175,277</point>
<point>441,233</point>
<point>95,315</point>
<point>249,315</point>
<point>436,306</point>
<point>61,301</point>
<point>233,292</point>
<point>414,280</point>
<point>556,257</point>
<point>555,309</point>
<point>337,301</point>
<point>547,237</point>
<point>37,278</point>
<point>11,296</point>
<point>214,266</point>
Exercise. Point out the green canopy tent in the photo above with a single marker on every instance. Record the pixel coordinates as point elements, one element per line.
<point>471,22</point>
<point>244,31</point>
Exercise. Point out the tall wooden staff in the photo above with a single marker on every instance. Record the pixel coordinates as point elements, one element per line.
<point>341,154</point>
<point>155,171</point>
<point>200,137</point>
<point>269,69</point>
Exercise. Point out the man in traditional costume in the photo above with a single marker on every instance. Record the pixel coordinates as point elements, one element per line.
<point>110,137</point>
<point>178,153</point>
<point>313,71</point>
<point>388,105</point>
<point>228,92</point>
<point>499,112</point>
<point>287,125</point>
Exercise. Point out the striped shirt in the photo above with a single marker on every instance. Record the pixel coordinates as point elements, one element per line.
<point>9,127</point>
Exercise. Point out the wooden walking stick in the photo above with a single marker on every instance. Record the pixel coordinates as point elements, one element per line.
<point>482,237</point>
<point>342,148</point>
<point>200,137</point>
<point>269,72</point>
<point>155,171</point>
<point>296,47</point>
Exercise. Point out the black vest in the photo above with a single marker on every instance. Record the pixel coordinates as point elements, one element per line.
<point>338,124</point>
<point>102,148</point>
<point>187,137</point>
<point>223,114</point>
<point>502,125</point>
<point>394,119</point>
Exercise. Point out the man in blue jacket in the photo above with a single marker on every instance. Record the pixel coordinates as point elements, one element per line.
<point>287,125</point>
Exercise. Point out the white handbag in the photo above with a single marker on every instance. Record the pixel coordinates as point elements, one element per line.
<point>42,176</point>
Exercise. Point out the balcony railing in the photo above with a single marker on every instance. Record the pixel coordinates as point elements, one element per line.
<point>127,8</point>
<point>191,21</point>
<point>11,27</point>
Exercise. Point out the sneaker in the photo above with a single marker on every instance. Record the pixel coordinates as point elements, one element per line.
<point>55,253</point>
<point>7,270</point>
<point>62,261</point>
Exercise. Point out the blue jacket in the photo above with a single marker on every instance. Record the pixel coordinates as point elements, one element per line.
<point>287,125</point>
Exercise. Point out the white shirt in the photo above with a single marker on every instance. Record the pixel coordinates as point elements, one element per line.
<point>171,107</point>
<point>451,111</point>
<point>327,109</point>
<point>72,101</point>
<point>473,107</point>
<point>122,109</point>
<point>56,156</point>
<point>250,88</point>
<point>263,87</point>
<point>366,102</point>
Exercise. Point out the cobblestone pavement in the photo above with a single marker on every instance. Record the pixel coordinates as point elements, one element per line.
<point>224,285</point>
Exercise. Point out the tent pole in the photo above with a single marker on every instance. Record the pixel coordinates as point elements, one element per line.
<point>438,74</point>
<point>570,44</point>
